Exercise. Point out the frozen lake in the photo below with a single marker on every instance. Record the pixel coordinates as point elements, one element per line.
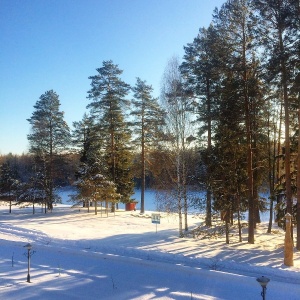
<point>151,203</point>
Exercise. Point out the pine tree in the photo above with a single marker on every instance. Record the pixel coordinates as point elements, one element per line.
<point>229,155</point>
<point>108,103</point>
<point>276,18</point>
<point>82,137</point>
<point>93,187</point>
<point>49,139</point>
<point>8,184</point>
<point>201,68</point>
<point>235,23</point>
<point>32,190</point>
<point>280,20</point>
<point>148,118</point>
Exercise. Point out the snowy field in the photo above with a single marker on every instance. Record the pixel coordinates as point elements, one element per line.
<point>80,255</point>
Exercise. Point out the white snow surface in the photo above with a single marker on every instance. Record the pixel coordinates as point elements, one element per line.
<point>80,255</point>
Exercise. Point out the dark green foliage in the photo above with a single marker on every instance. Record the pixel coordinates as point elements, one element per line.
<point>8,183</point>
<point>223,71</point>
<point>280,22</point>
<point>83,139</point>
<point>49,140</point>
<point>93,187</point>
<point>49,132</point>
<point>202,69</point>
<point>147,126</point>
<point>110,131</point>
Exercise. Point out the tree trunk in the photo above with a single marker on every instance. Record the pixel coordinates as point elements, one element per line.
<point>273,177</point>
<point>96,207</point>
<point>143,172</point>
<point>184,187</point>
<point>298,185</point>
<point>185,208</point>
<point>251,206</point>
<point>279,151</point>
<point>179,200</point>
<point>239,218</point>
<point>227,222</point>
<point>180,216</point>
<point>287,158</point>
<point>113,154</point>
<point>208,191</point>
<point>51,175</point>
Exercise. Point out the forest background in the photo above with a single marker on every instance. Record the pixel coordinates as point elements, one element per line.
<point>227,122</point>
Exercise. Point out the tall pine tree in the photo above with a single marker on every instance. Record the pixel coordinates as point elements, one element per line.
<point>235,24</point>
<point>148,119</point>
<point>279,20</point>
<point>201,69</point>
<point>49,139</point>
<point>108,104</point>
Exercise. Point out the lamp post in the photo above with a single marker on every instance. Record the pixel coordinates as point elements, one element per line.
<point>263,281</point>
<point>28,247</point>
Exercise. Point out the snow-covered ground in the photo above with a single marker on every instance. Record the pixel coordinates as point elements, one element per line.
<point>80,255</point>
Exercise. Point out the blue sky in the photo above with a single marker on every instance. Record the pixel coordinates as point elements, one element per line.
<point>58,44</point>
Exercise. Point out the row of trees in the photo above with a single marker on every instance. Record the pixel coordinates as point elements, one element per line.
<point>218,126</point>
<point>104,143</point>
<point>243,71</point>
